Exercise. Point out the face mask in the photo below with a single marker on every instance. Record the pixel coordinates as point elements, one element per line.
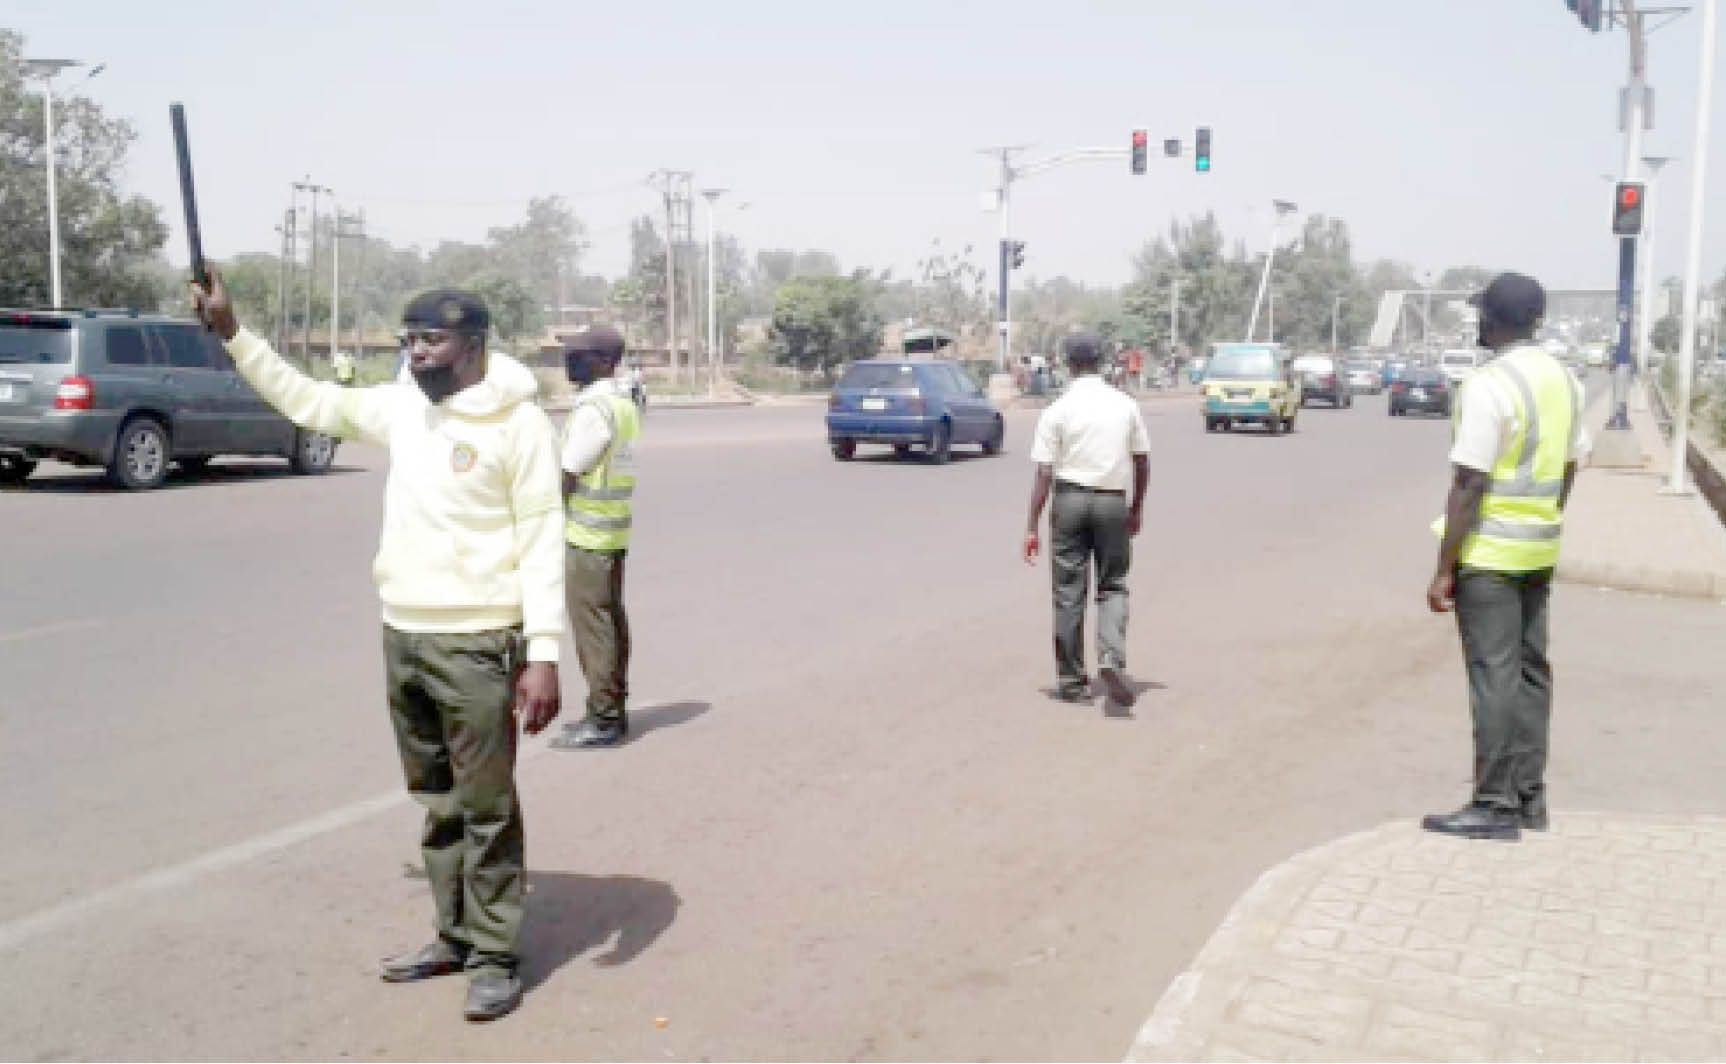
<point>437,382</point>
<point>578,369</point>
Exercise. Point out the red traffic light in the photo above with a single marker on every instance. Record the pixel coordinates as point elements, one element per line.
<point>1139,138</point>
<point>1629,195</point>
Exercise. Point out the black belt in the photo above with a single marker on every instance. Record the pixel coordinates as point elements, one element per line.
<point>1067,485</point>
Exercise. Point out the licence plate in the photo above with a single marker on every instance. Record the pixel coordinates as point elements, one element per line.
<point>873,404</point>
<point>9,393</point>
<point>1418,393</point>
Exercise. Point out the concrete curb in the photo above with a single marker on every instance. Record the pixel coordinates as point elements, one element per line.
<point>1615,576</point>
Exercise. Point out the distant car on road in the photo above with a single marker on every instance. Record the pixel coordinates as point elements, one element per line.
<point>908,403</point>
<point>1250,384</point>
<point>135,393</point>
<point>1424,391</point>
<point>1457,365</point>
<point>1363,379</point>
<point>1323,377</point>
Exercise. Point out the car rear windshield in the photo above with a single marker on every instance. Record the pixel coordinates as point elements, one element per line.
<point>1243,365</point>
<point>46,342</point>
<point>1313,364</point>
<point>863,376</point>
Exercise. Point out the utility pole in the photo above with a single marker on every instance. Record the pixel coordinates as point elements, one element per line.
<point>674,187</point>
<point>290,266</point>
<point>1693,259</point>
<point>1281,208</point>
<point>1004,204</point>
<point>712,195</point>
<point>1271,325</point>
<point>1335,307</point>
<point>286,230</point>
<point>335,277</point>
<point>311,267</point>
<point>359,272</point>
<point>1174,318</point>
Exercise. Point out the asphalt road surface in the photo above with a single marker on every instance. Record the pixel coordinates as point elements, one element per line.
<point>852,823</point>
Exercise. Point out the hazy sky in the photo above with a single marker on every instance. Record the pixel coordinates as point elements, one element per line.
<point>1467,131</point>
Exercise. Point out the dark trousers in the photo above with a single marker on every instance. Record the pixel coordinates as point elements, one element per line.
<point>1502,618</point>
<point>1087,527</point>
<point>593,592</point>
<point>451,699</point>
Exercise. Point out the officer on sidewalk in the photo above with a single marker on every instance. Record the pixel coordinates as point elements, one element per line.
<point>1518,438</point>
<point>599,487</point>
<point>469,574</point>
<point>1090,445</point>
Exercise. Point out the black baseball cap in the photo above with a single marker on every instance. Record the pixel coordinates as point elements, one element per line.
<point>1083,347</point>
<point>447,308</point>
<point>601,340</point>
<point>1511,299</point>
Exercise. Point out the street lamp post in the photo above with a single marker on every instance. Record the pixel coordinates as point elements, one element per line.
<point>1645,323</point>
<point>46,69</point>
<point>1282,207</point>
<point>711,195</point>
<point>1693,257</point>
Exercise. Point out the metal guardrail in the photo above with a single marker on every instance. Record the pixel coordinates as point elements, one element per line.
<point>1709,479</point>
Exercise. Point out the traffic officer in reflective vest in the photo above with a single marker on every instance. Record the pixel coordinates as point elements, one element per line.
<point>1517,439</point>
<point>598,487</point>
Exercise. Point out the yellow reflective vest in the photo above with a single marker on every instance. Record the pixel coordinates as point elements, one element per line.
<point>1520,522</point>
<point>598,513</point>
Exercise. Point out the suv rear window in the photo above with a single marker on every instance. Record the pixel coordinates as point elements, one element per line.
<point>39,342</point>
<point>186,348</point>
<point>861,376</point>
<point>1243,364</point>
<point>126,346</point>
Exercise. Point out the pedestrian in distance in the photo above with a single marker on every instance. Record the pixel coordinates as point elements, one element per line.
<point>599,490</point>
<point>1090,449</point>
<point>469,569</point>
<point>1518,437</point>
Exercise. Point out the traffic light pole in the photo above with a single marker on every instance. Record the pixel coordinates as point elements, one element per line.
<point>1634,94</point>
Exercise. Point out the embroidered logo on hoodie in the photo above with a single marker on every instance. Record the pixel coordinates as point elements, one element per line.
<point>463,457</point>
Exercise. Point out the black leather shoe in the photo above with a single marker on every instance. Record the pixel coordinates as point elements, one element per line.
<point>1073,692</point>
<point>1474,822</point>
<point>591,733</point>
<point>440,958</point>
<point>1533,817</point>
<point>490,994</point>
<point>1120,692</point>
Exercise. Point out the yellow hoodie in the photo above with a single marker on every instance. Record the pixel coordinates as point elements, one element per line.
<point>473,514</point>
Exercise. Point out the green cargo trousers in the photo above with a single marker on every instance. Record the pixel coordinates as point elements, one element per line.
<point>451,699</point>
<point>1089,526</point>
<point>593,592</point>
<point>1502,620</point>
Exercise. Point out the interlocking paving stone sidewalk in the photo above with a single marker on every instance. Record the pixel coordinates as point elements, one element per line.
<point>1603,939</point>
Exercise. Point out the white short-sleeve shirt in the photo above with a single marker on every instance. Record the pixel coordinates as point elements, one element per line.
<point>1486,423</point>
<point>1089,435</point>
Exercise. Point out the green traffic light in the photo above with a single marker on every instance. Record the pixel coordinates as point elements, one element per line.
<point>1202,163</point>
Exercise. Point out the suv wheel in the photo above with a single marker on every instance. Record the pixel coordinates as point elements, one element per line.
<point>1273,425</point>
<point>901,450</point>
<point>844,450</point>
<point>14,468</point>
<point>313,452</point>
<point>941,444</point>
<point>140,455</point>
<point>997,438</point>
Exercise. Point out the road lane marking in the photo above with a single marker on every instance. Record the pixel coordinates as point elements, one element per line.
<point>51,629</point>
<point>16,932</point>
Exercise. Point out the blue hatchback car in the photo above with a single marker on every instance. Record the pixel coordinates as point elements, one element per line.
<point>928,403</point>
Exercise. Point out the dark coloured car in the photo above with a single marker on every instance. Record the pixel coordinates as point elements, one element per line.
<point>1424,391</point>
<point>1324,377</point>
<point>133,393</point>
<point>906,403</point>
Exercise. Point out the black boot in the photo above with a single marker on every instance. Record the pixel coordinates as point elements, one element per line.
<point>1474,822</point>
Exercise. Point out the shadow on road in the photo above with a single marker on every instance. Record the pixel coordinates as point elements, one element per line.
<point>569,914</point>
<point>96,482</point>
<point>669,715</point>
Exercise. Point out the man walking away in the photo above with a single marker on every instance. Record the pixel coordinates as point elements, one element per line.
<point>1518,437</point>
<point>1090,444</point>
<point>599,490</point>
<point>469,568</point>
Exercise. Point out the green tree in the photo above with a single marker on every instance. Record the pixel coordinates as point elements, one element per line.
<point>544,249</point>
<point>515,313</point>
<point>820,323</point>
<point>110,243</point>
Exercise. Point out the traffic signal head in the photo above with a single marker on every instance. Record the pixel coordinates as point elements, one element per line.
<point>1140,150</point>
<point>1627,209</point>
<point>1202,149</point>
<point>1018,249</point>
<point>1589,12</point>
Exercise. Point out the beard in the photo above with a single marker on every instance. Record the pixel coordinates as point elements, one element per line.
<point>437,382</point>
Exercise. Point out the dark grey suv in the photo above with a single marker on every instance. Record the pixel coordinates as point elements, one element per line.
<point>132,393</point>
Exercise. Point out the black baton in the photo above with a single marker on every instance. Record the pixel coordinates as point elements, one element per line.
<point>188,198</point>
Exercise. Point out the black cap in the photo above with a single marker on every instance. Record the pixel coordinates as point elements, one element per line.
<point>447,308</point>
<point>1083,347</point>
<point>601,340</point>
<point>1511,299</point>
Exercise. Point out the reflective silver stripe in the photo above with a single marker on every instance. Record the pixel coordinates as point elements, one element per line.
<point>1531,414</point>
<point>608,524</point>
<point>1526,489</point>
<point>1515,530</point>
<point>604,494</point>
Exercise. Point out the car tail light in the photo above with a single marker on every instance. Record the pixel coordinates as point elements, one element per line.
<point>1396,386</point>
<point>74,393</point>
<point>1329,378</point>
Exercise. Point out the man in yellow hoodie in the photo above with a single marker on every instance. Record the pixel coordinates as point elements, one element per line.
<point>470,571</point>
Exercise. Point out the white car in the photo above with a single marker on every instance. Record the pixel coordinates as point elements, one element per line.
<point>1457,365</point>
